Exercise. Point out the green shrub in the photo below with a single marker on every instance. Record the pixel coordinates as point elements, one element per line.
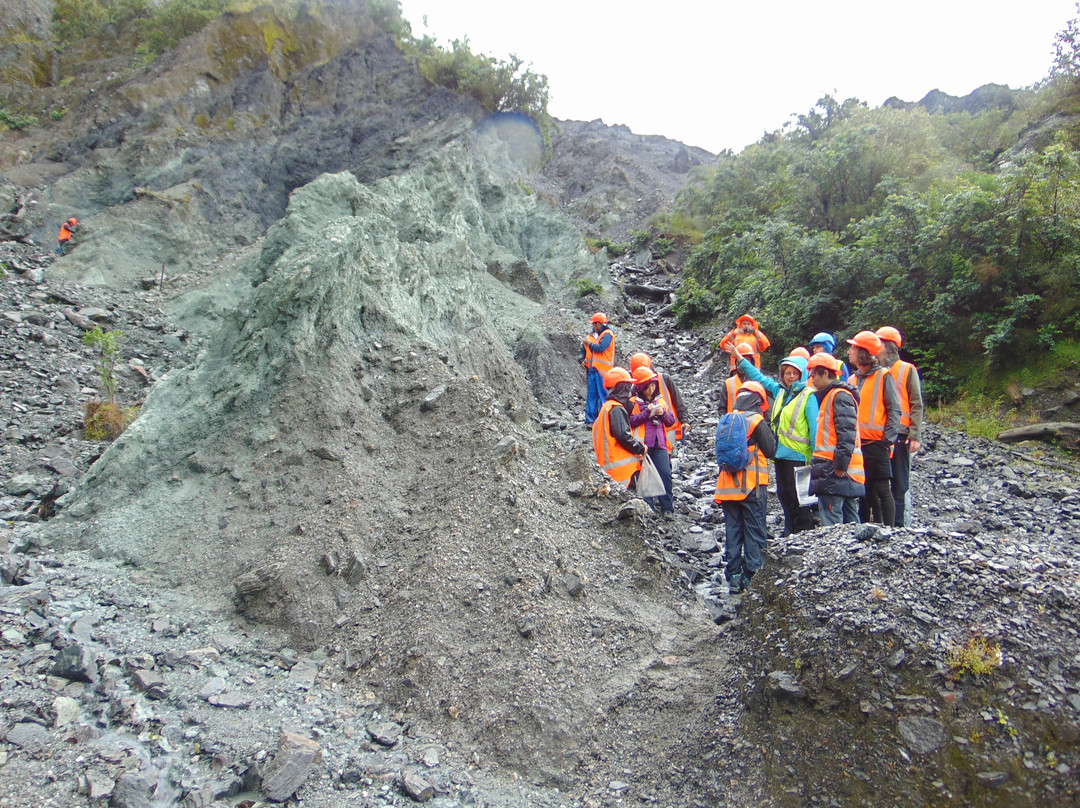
<point>13,120</point>
<point>638,239</point>
<point>58,114</point>
<point>586,287</point>
<point>977,656</point>
<point>613,248</point>
<point>694,304</point>
<point>663,245</point>
<point>107,343</point>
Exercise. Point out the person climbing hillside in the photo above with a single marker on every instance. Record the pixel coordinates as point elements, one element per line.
<point>793,419</point>
<point>725,401</point>
<point>745,332</point>
<point>909,388</point>
<point>744,441</point>
<point>879,424</point>
<point>67,233</point>
<point>669,391</point>
<point>597,357</point>
<point>837,477</point>
<point>618,451</point>
<point>824,342</point>
<point>656,417</point>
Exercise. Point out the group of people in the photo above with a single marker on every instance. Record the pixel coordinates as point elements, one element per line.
<point>634,414</point>
<point>854,427</point>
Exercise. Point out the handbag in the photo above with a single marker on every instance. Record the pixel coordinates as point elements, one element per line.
<point>649,481</point>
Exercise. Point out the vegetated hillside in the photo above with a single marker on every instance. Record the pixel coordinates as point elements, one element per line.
<point>957,222</point>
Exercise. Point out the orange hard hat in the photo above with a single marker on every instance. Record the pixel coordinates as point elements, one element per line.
<point>756,389</point>
<point>640,360</point>
<point>868,340</point>
<point>822,360</point>
<point>800,351</point>
<point>72,220</point>
<point>616,375</point>
<point>891,334</point>
<point>746,318</point>
<point>599,317</point>
<point>744,349</point>
<point>642,376</point>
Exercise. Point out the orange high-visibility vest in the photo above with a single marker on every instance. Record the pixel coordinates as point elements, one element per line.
<point>65,233</point>
<point>605,361</point>
<point>619,463</point>
<point>739,338</point>
<point>872,405</point>
<point>674,433</point>
<point>900,372</point>
<point>740,484</point>
<point>733,385</point>
<point>825,441</point>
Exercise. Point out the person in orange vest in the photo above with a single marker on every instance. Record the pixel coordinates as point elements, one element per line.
<point>67,231</point>
<point>909,389</point>
<point>597,357</point>
<point>655,418</point>
<point>618,451</point>
<point>725,403</point>
<point>879,424</point>
<point>837,477</point>
<point>670,393</point>
<point>745,332</point>
<point>743,493</point>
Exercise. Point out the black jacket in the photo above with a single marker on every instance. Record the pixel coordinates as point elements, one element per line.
<point>845,411</point>
<point>619,420</point>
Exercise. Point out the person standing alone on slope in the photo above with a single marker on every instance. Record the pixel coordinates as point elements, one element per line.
<point>597,356</point>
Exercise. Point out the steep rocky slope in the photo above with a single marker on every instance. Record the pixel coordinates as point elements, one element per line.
<point>359,493</point>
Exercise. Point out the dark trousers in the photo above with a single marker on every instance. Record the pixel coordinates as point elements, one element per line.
<point>901,478</point>
<point>877,505</point>
<point>796,518</point>
<point>660,458</point>
<point>745,534</point>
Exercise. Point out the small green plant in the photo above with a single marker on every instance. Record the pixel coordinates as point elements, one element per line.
<point>58,114</point>
<point>977,656</point>
<point>586,287</point>
<point>613,248</point>
<point>14,120</point>
<point>1003,722</point>
<point>107,343</point>
<point>638,239</point>
<point>663,245</point>
<point>105,419</point>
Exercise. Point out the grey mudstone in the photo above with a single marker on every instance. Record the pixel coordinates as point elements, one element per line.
<point>386,733</point>
<point>28,735</point>
<point>417,787</point>
<point>783,684</point>
<point>291,765</point>
<point>75,663</point>
<point>922,735</point>
<point>232,700</point>
<point>431,400</point>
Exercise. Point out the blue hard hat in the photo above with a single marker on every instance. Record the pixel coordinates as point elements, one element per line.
<point>826,339</point>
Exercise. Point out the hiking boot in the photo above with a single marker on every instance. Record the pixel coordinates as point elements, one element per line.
<point>669,516</point>
<point>737,584</point>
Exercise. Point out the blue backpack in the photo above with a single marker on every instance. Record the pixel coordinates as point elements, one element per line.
<point>732,451</point>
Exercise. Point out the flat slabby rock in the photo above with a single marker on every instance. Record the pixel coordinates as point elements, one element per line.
<point>295,758</point>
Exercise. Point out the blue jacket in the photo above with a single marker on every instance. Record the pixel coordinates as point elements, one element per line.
<point>774,389</point>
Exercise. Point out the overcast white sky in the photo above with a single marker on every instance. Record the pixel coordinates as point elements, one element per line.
<point>719,74</point>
